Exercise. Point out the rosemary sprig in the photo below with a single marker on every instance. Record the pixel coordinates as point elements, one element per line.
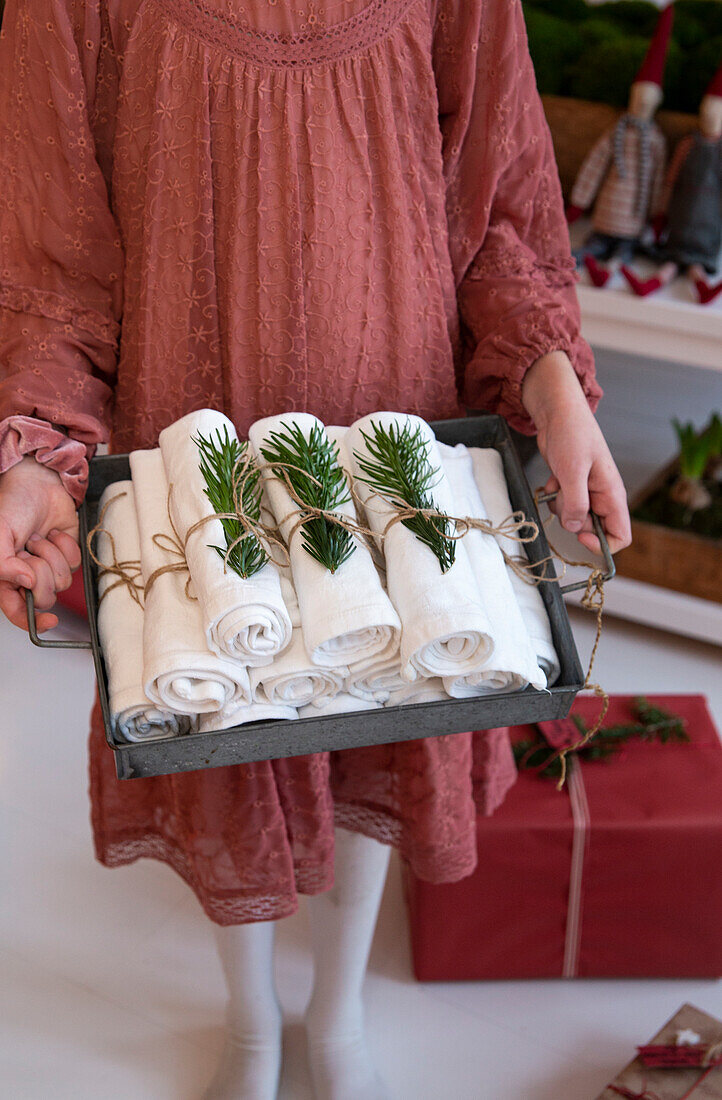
<point>218,463</point>
<point>399,470</point>
<point>313,471</point>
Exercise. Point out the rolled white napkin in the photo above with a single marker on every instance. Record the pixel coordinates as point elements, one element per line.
<point>376,680</point>
<point>244,619</point>
<point>259,711</point>
<point>120,626</point>
<point>445,629</point>
<point>346,615</point>
<point>343,703</point>
<point>423,691</point>
<point>514,664</point>
<point>179,670</point>
<point>491,481</point>
<point>293,679</point>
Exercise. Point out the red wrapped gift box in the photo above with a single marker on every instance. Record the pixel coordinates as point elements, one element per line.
<point>617,875</point>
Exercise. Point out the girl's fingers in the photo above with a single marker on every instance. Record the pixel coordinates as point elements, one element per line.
<point>12,605</point>
<point>12,569</point>
<point>44,585</point>
<point>43,548</point>
<point>67,546</point>
<point>573,500</point>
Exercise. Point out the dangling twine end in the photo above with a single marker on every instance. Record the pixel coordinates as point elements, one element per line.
<point>592,600</point>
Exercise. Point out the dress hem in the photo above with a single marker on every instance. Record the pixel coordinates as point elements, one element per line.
<point>235,909</point>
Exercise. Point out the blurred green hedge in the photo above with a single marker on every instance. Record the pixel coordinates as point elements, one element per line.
<point>594,52</point>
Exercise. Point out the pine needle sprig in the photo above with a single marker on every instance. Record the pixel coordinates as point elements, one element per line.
<point>652,724</point>
<point>219,460</point>
<point>312,468</point>
<point>397,467</point>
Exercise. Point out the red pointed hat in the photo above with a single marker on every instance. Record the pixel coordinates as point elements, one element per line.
<point>652,69</point>
<point>715,87</point>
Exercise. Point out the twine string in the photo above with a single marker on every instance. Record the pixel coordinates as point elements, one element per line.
<point>593,601</point>
<point>713,1054</point>
<point>171,544</point>
<point>128,572</point>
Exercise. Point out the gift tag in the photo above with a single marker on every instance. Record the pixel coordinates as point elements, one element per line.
<point>559,733</point>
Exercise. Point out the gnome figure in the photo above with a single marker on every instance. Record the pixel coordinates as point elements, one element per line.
<point>688,219</point>
<point>623,174</point>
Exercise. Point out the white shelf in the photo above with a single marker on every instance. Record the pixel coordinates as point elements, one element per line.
<point>660,327</point>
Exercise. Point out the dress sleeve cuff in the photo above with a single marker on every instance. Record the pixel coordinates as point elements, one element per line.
<point>25,435</point>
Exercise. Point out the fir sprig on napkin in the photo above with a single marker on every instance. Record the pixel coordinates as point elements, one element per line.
<point>311,467</point>
<point>220,463</point>
<point>397,467</point>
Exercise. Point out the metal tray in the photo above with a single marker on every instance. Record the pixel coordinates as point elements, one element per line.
<point>269,740</point>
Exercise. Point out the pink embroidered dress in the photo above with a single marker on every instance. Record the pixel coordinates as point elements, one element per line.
<point>260,205</point>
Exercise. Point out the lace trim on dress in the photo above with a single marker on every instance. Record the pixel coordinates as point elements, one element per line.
<point>45,303</point>
<point>282,51</point>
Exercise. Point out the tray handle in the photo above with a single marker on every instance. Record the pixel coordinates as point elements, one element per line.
<point>610,567</point>
<point>60,643</point>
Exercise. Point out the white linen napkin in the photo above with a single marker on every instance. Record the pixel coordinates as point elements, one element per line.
<point>345,615</point>
<point>491,482</point>
<point>445,629</point>
<point>120,626</point>
<point>258,711</point>
<point>423,691</point>
<point>245,619</point>
<point>179,669</point>
<point>343,703</point>
<point>514,664</point>
<point>293,678</point>
<point>376,680</point>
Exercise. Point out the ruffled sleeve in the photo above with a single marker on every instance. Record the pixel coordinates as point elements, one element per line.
<point>61,273</point>
<point>508,236</point>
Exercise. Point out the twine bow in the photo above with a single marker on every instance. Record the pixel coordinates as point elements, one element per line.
<point>128,572</point>
<point>173,545</point>
<point>309,512</point>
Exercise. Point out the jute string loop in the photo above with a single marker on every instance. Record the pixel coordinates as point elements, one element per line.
<point>128,572</point>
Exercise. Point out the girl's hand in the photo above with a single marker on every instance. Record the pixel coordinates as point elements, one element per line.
<point>38,540</point>
<point>571,442</point>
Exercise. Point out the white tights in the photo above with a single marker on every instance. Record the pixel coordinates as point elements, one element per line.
<point>342,922</point>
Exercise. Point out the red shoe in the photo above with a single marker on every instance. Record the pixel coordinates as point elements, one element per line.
<point>598,274</point>
<point>706,292</point>
<point>641,287</point>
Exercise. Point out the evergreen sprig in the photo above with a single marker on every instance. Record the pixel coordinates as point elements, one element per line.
<point>313,471</point>
<point>219,460</point>
<point>652,724</point>
<point>397,467</point>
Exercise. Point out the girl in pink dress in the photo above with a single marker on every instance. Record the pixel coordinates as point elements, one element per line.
<point>260,205</point>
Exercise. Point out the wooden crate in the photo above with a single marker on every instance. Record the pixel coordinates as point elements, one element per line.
<point>668,557</point>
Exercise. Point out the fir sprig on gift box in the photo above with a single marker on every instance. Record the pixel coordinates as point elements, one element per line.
<point>220,463</point>
<point>311,468</point>
<point>652,724</point>
<point>397,467</point>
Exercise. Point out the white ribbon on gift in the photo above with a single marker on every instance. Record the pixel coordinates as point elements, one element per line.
<point>580,843</point>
